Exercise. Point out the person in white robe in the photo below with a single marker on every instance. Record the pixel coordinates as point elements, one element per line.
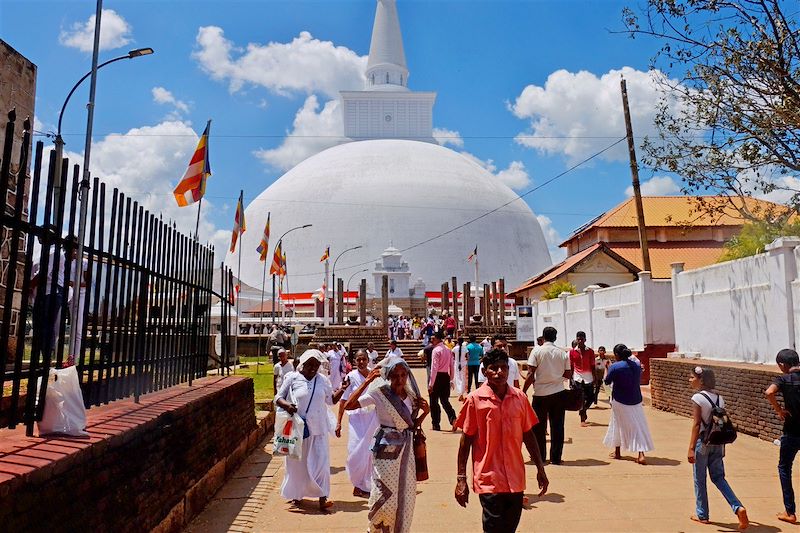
<point>362,424</point>
<point>309,393</point>
<point>460,365</point>
<point>336,359</point>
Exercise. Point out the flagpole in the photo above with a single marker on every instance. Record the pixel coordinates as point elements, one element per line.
<point>261,314</point>
<point>325,320</point>
<point>197,222</point>
<point>239,275</point>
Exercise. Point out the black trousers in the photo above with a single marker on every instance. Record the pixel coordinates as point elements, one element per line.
<point>588,398</point>
<point>501,512</point>
<point>441,394</point>
<point>472,372</point>
<point>550,408</point>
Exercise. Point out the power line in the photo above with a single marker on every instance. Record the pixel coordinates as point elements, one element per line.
<point>484,215</point>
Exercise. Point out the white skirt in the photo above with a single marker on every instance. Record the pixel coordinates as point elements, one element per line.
<point>310,477</point>
<point>628,429</point>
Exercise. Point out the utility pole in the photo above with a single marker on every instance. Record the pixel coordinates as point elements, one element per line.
<point>637,193</point>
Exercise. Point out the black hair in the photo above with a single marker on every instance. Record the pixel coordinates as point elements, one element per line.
<point>494,356</point>
<point>788,357</point>
<point>472,337</point>
<point>622,351</point>
<point>439,335</point>
<point>580,334</point>
<point>706,376</point>
<point>601,348</point>
<point>549,333</point>
<point>499,337</point>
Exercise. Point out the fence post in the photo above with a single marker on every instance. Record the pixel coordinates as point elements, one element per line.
<point>563,297</point>
<point>590,309</point>
<point>785,246</point>
<point>645,281</point>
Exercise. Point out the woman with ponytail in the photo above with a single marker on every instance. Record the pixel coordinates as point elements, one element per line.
<point>628,426</point>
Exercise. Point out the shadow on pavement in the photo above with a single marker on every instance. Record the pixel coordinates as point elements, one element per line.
<point>585,462</point>
<point>754,527</point>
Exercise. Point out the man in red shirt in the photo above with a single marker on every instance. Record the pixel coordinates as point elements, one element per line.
<point>581,357</point>
<point>496,420</point>
<point>450,325</point>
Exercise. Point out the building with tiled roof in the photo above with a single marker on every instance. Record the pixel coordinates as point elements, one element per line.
<point>606,251</point>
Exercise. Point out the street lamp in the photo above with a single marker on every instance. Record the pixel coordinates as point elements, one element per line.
<point>333,275</point>
<point>84,185</point>
<point>280,241</point>
<point>347,287</point>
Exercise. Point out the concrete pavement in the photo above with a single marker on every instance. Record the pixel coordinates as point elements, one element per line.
<point>589,492</point>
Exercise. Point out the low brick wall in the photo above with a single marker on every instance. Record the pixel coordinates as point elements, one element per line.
<point>742,386</point>
<point>146,466</point>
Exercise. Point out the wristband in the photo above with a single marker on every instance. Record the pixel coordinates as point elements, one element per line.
<point>461,476</point>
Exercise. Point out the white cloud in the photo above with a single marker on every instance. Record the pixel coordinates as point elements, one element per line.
<point>514,176</point>
<point>313,130</point>
<point>146,164</point>
<point>114,32</point>
<point>304,65</point>
<point>577,114</point>
<point>163,96</point>
<point>552,238</point>
<point>444,137</point>
<point>657,186</point>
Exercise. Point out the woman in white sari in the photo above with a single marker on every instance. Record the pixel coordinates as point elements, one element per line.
<point>460,366</point>
<point>362,425</point>
<point>309,393</point>
<point>400,410</point>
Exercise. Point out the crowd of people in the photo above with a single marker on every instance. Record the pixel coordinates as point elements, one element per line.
<point>420,328</point>
<point>386,408</point>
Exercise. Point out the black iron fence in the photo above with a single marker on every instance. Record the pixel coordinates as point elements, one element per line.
<point>144,322</point>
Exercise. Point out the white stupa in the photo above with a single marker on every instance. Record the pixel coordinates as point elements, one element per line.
<point>392,183</point>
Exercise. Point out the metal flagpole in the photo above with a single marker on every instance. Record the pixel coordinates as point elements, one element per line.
<point>197,222</point>
<point>261,313</point>
<point>239,277</point>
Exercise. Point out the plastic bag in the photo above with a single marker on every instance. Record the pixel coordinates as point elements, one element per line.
<point>288,435</point>
<point>64,412</point>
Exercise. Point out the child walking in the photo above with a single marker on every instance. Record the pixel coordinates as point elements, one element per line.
<point>788,385</point>
<point>707,458</point>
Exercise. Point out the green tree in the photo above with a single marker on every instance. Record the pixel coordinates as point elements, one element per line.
<point>557,287</point>
<point>755,236</point>
<point>734,66</point>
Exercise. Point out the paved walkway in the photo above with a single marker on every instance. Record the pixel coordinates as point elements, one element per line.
<point>590,492</point>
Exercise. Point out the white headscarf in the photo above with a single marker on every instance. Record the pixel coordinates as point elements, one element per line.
<point>311,354</point>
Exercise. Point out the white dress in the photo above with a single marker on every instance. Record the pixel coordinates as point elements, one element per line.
<point>362,425</point>
<point>460,366</point>
<point>309,477</point>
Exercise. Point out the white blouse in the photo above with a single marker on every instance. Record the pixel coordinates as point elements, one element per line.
<point>297,389</point>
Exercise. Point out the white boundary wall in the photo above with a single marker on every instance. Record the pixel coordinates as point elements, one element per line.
<point>742,310</point>
<point>636,314</point>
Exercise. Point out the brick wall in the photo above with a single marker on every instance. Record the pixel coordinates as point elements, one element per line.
<point>148,466</point>
<point>742,386</point>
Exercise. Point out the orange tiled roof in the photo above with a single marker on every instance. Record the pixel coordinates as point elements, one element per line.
<point>694,254</point>
<point>662,211</point>
<point>570,263</point>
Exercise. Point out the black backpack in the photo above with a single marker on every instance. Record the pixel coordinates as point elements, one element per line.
<point>720,430</point>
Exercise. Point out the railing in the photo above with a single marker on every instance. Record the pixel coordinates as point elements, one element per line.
<point>146,294</point>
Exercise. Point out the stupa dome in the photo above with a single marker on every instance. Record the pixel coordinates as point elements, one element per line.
<point>374,193</point>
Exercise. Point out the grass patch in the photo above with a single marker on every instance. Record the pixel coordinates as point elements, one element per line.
<point>262,381</point>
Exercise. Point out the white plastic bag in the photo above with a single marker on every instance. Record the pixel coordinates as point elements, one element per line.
<point>288,435</point>
<point>63,407</point>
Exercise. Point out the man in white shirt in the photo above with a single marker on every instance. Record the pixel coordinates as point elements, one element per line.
<point>501,343</point>
<point>372,355</point>
<point>280,369</point>
<point>548,367</point>
<point>393,353</point>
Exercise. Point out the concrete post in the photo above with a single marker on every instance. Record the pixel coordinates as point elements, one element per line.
<point>590,306</point>
<point>785,246</point>
<point>362,303</point>
<point>563,297</point>
<point>454,284</point>
<point>445,297</point>
<point>501,287</point>
<point>485,304</point>
<point>466,305</point>
<point>645,279</point>
<point>495,305</point>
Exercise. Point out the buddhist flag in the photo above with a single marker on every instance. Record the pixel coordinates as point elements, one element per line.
<point>239,225</point>
<point>283,265</point>
<point>264,246</point>
<point>473,255</point>
<point>277,259</point>
<point>193,184</point>
<point>326,255</point>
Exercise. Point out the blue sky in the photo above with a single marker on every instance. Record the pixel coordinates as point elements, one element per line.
<point>529,88</point>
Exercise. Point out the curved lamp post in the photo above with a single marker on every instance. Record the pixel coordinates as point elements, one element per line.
<point>280,241</point>
<point>347,287</point>
<point>84,185</point>
<point>333,276</point>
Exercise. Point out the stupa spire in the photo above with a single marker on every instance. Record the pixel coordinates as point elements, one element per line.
<point>386,67</point>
